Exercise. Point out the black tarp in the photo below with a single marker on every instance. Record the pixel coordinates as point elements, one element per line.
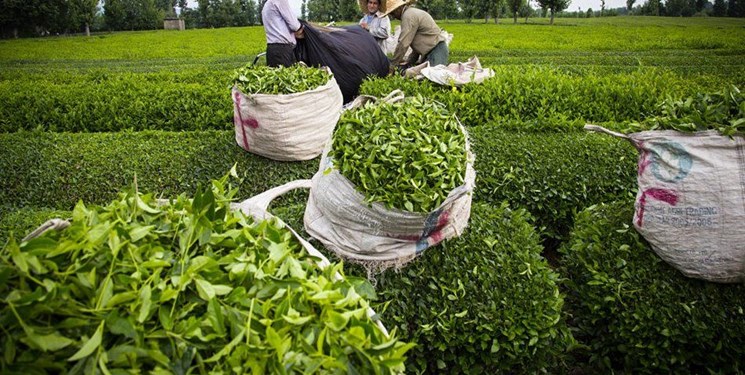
<point>350,52</point>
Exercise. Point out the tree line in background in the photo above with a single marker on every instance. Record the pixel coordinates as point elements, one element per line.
<point>53,17</point>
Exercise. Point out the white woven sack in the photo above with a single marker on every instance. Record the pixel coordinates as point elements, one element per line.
<point>690,205</point>
<point>338,216</point>
<point>455,74</point>
<point>287,127</point>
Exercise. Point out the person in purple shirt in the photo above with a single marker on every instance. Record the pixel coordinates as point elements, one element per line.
<point>281,28</point>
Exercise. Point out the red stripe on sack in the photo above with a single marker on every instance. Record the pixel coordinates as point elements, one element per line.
<point>662,195</point>
<point>237,102</point>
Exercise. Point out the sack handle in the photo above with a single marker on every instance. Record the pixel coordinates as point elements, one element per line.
<point>600,129</point>
<point>51,224</point>
<point>394,97</point>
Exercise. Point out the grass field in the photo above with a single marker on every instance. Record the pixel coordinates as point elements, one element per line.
<point>689,45</point>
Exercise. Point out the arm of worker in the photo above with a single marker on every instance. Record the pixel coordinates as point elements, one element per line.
<point>292,23</point>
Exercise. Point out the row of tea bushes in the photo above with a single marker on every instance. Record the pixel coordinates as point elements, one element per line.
<point>55,170</point>
<point>98,100</point>
<point>551,175</point>
<point>197,99</point>
<point>545,94</point>
<point>634,313</point>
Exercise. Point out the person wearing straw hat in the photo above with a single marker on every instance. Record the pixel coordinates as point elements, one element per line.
<point>378,26</point>
<point>418,31</point>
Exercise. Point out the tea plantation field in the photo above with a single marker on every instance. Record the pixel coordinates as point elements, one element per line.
<point>550,276</point>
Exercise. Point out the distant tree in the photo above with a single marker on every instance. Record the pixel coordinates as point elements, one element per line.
<point>246,13</point>
<point>554,6</point>
<point>450,9</point>
<point>82,13</point>
<point>719,9</point>
<point>347,10</point>
<point>303,11</point>
<point>34,17</point>
<point>526,11</point>
<point>590,13</point>
<point>630,5</point>
<point>652,8</point>
<point>321,11</point>
<point>680,8</point>
<point>514,7</point>
<point>468,9</point>
<point>167,6</point>
<point>132,15</point>
<point>602,7</point>
<point>736,8</point>
<point>499,10</point>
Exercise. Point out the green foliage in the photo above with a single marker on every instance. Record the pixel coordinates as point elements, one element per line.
<point>637,314</point>
<point>544,97</point>
<point>282,80</point>
<point>100,100</point>
<point>482,303</point>
<point>407,155</point>
<point>552,175</point>
<point>723,111</point>
<point>184,287</point>
<point>40,169</point>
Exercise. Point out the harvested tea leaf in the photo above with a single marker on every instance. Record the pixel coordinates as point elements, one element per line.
<point>280,80</point>
<point>407,155</point>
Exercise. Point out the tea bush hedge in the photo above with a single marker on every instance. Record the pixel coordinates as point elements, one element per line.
<point>198,98</point>
<point>100,100</point>
<point>546,96</point>
<point>55,170</point>
<point>637,314</point>
<point>552,175</point>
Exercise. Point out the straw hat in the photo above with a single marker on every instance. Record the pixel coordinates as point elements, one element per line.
<point>393,5</point>
<point>363,6</point>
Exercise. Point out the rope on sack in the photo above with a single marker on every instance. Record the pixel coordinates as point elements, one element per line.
<point>600,129</point>
<point>51,224</point>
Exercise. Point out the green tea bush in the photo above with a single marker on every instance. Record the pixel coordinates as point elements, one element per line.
<point>98,101</point>
<point>186,287</point>
<point>637,314</point>
<point>552,175</point>
<point>40,169</point>
<point>482,303</point>
<point>544,95</point>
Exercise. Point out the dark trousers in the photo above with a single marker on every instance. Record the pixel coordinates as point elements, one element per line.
<point>280,54</point>
<point>438,55</point>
